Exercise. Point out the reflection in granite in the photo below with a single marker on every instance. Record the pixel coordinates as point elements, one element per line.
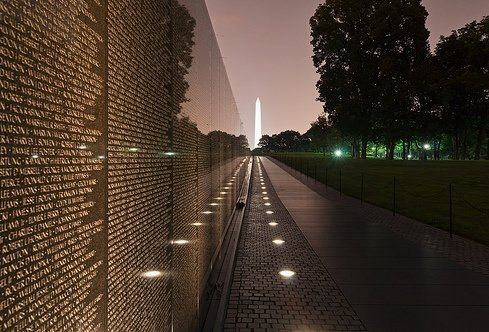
<point>121,158</point>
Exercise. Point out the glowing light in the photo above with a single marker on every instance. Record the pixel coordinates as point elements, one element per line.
<point>83,147</point>
<point>197,224</point>
<point>266,198</point>
<point>278,241</point>
<point>35,156</point>
<point>152,274</point>
<point>263,187</point>
<point>268,204</point>
<point>219,198</point>
<point>264,192</point>
<point>338,153</point>
<point>273,223</point>
<point>426,146</point>
<point>169,153</point>
<point>287,273</point>
<point>409,156</point>
<point>180,242</point>
<point>101,157</point>
<point>226,188</point>
<point>133,149</point>
<point>213,204</point>
<point>223,193</point>
<point>207,212</point>
<point>257,121</point>
<point>269,212</point>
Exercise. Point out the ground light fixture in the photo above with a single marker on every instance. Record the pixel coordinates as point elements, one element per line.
<point>287,273</point>
<point>338,153</point>
<point>278,241</point>
<point>269,212</point>
<point>180,242</point>
<point>197,224</point>
<point>273,223</point>
<point>264,192</point>
<point>268,204</point>
<point>207,212</point>
<point>152,274</point>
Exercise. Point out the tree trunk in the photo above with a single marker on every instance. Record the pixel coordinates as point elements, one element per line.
<point>481,135</point>
<point>463,147</point>
<point>356,148</point>
<point>390,146</point>
<point>364,148</point>
<point>404,155</point>
<point>455,147</point>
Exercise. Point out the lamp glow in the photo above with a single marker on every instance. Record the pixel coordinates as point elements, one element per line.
<point>278,241</point>
<point>180,242</point>
<point>152,274</point>
<point>273,223</point>
<point>269,212</point>
<point>338,153</point>
<point>287,273</point>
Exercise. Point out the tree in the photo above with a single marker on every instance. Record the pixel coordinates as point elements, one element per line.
<point>365,53</point>
<point>463,60</point>
<point>322,134</point>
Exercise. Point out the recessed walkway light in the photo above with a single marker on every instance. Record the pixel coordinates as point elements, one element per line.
<point>207,212</point>
<point>273,223</point>
<point>278,241</point>
<point>266,198</point>
<point>269,212</point>
<point>263,187</point>
<point>268,204</point>
<point>152,274</point>
<point>287,273</point>
<point>197,224</point>
<point>180,242</point>
<point>213,204</point>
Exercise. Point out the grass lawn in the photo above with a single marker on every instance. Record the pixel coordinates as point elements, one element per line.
<point>422,187</point>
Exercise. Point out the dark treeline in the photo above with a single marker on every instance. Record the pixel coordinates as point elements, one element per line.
<point>383,89</point>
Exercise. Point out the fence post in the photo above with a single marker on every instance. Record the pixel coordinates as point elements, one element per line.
<point>361,191</point>
<point>394,199</point>
<point>340,181</point>
<point>450,201</point>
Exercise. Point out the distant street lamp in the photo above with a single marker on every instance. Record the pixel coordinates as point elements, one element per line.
<point>338,153</point>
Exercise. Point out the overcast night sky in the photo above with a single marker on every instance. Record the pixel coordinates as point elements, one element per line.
<point>267,53</point>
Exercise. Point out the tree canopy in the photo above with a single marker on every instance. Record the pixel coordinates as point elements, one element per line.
<point>366,53</point>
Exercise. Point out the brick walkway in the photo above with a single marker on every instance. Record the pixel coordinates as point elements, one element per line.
<point>261,299</point>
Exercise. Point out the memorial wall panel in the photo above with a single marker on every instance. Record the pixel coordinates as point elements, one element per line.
<point>121,159</point>
<point>52,156</point>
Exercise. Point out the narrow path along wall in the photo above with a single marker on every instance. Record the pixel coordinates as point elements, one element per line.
<point>121,153</point>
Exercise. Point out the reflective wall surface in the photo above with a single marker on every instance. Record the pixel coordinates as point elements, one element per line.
<point>121,158</point>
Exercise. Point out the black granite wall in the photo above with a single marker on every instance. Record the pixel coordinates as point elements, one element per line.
<point>121,158</point>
